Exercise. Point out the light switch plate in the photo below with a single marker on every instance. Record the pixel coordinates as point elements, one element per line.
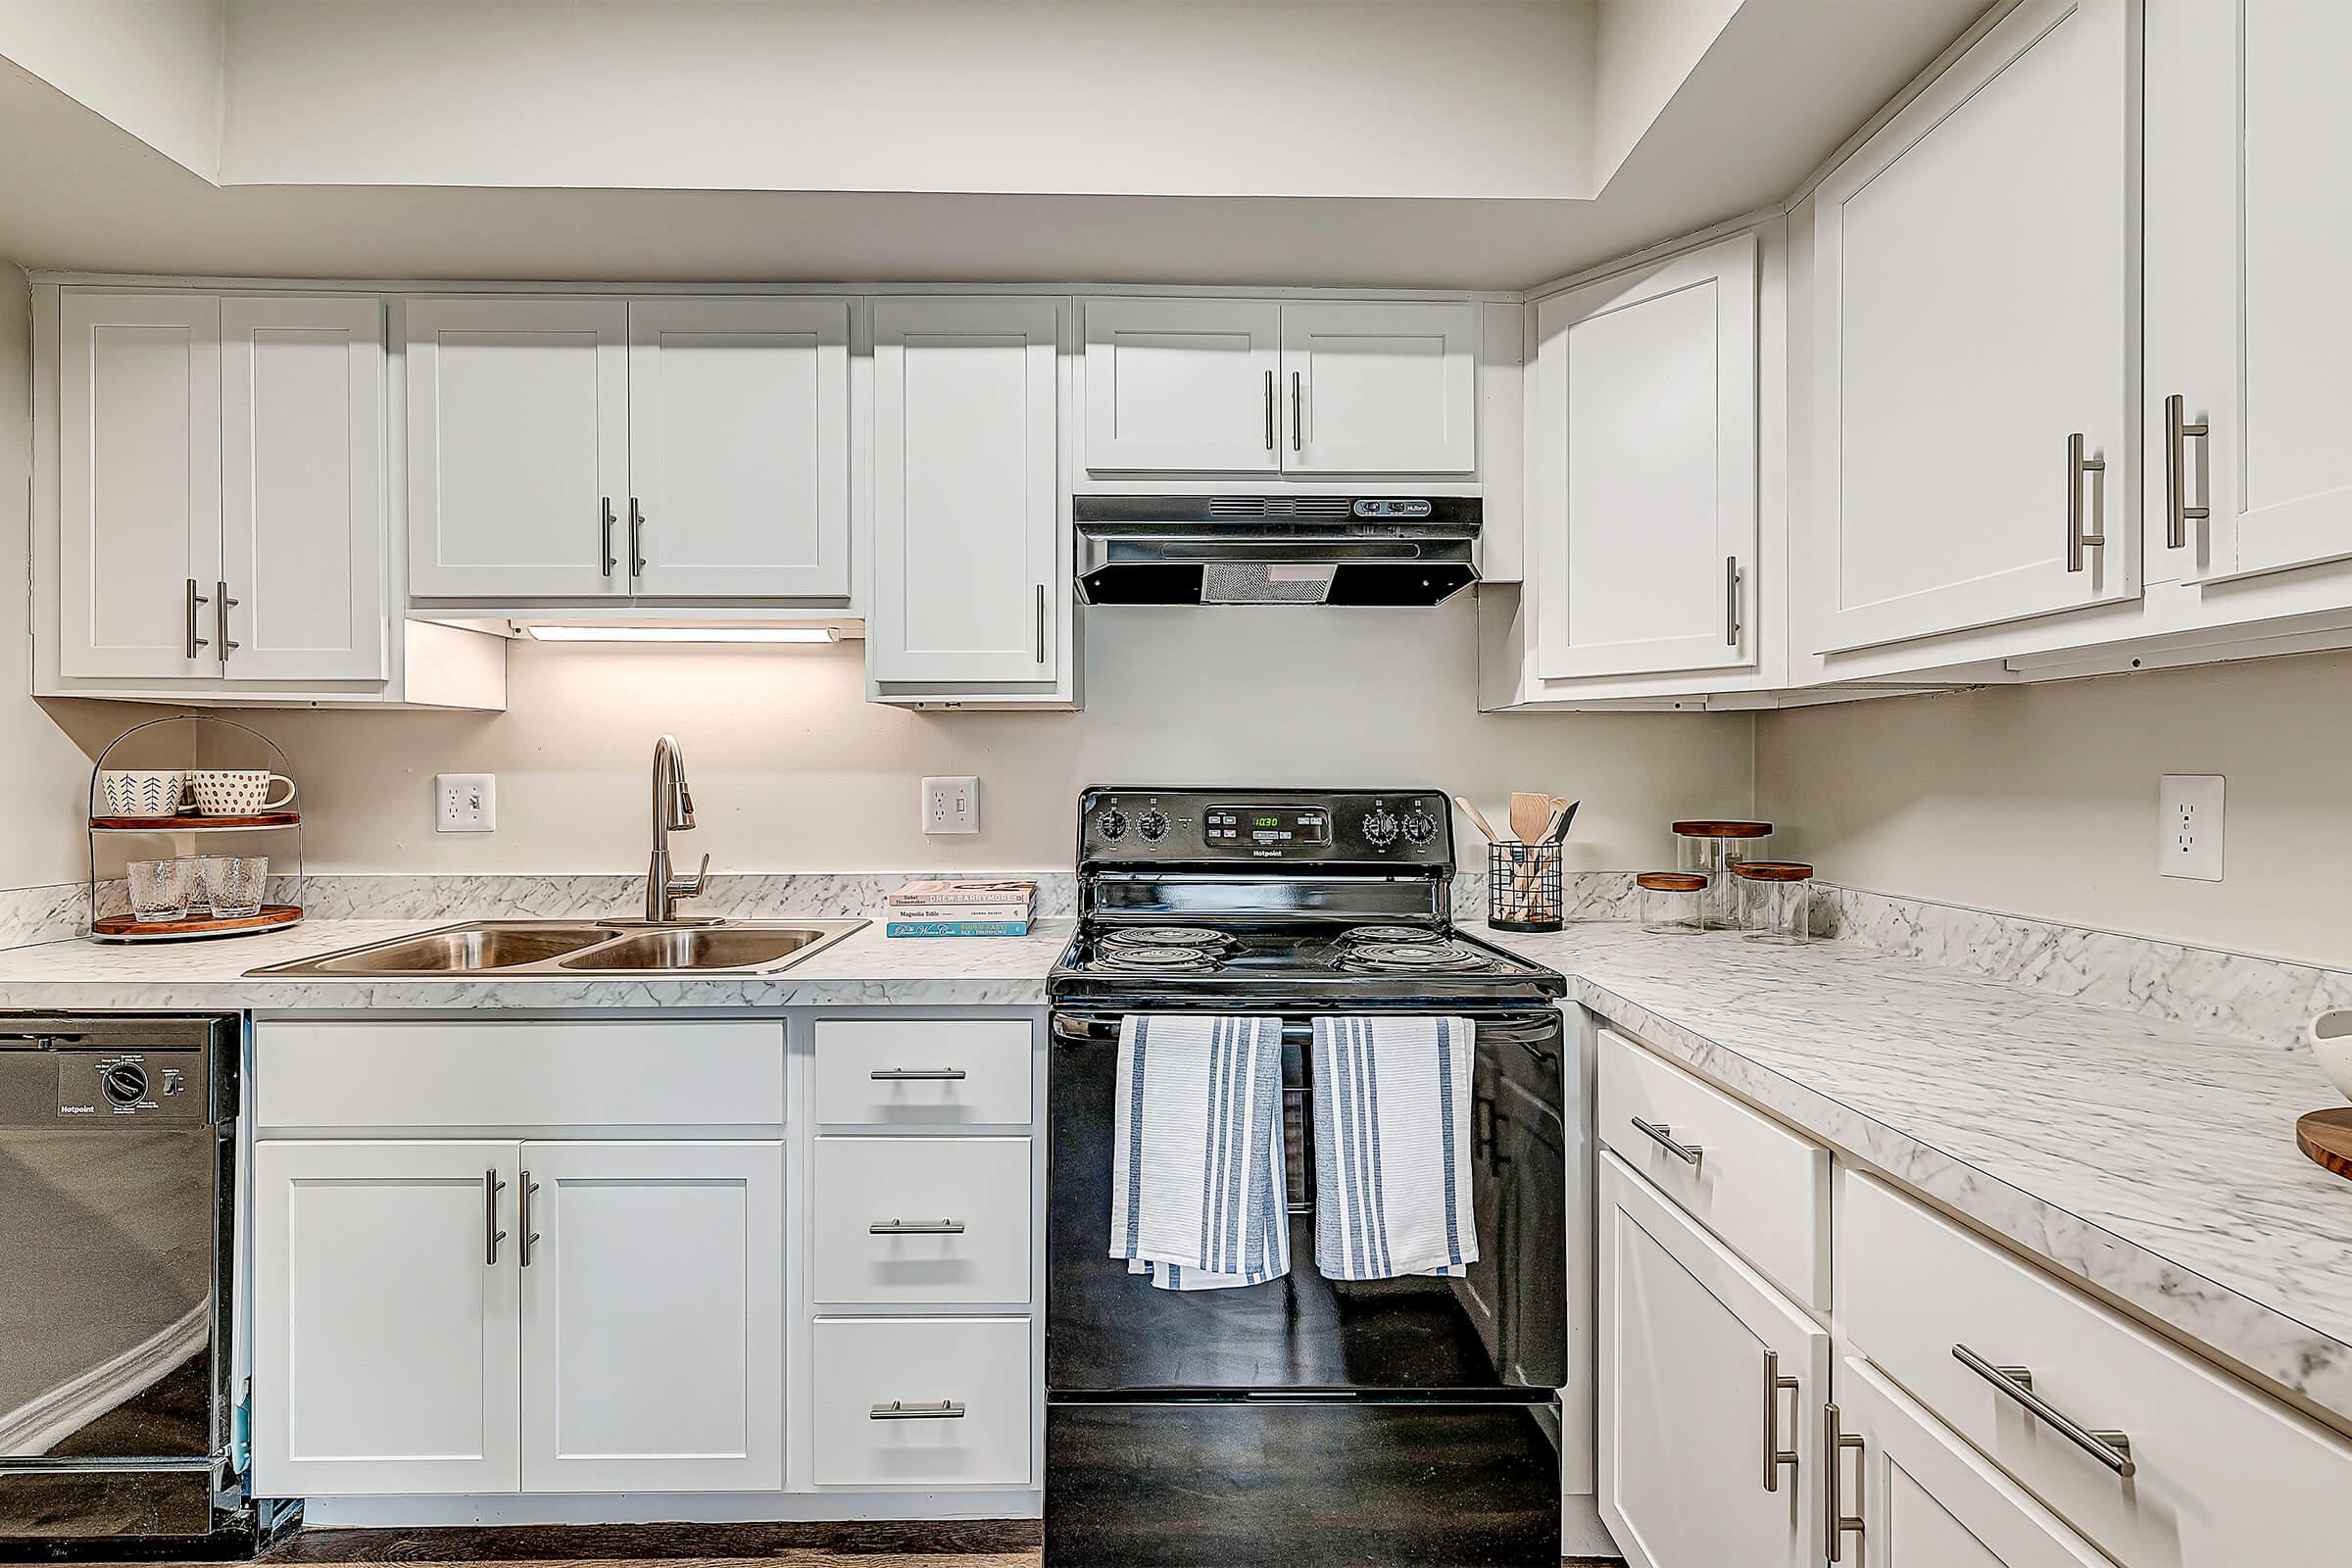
<point>951,805</point>
<point>2189,811</point>
<point>464,803</point>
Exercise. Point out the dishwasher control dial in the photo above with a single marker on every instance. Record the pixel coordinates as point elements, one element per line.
<point>1154,824</point>
<point>1111,823</point>
<point>1419,825</point>
<point>1379,827</point>
<point>123,1084</point>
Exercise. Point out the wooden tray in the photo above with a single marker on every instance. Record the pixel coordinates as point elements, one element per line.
<point>2327,1136</point>
<point>122,928</point>
<point>191,823</point>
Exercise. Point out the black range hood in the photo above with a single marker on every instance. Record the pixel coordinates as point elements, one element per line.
<point>1274,550</point>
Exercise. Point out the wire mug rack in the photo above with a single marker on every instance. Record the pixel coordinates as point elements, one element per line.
<point>184,742</point>
<point>1523,886</point>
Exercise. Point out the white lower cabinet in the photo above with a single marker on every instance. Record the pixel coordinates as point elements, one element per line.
<point>903,1219</point>
<point>922,1401</point>
<point>1711,1388</point>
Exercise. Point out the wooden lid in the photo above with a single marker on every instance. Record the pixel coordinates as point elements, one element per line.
<point>1671,882</point>
<point>1723,830</point>
<point>2327,1136</point>
<point>1772,870</point>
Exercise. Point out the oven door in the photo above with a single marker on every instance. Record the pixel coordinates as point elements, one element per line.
<point>1501,1330</point>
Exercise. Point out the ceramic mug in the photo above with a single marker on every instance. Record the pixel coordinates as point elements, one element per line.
<point>237,791</point>
<point>143,791</point>
<point>2331,1038</point>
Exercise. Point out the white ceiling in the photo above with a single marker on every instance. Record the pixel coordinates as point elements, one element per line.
<point>1772,92</point>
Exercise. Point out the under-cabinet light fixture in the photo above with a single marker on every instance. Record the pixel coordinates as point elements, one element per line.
<point>683,634</point>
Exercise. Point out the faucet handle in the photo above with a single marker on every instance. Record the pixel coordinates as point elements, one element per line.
<point>684,887</point>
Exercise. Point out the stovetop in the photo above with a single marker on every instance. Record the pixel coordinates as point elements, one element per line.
<point>1336,963</point>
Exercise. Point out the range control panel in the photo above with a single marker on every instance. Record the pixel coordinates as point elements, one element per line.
<point>1405,828</point>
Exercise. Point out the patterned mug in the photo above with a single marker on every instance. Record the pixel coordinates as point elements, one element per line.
<point>237,791</point>
<point>143,791</point>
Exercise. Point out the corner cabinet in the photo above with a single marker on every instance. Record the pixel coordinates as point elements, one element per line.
<point>971,575</point>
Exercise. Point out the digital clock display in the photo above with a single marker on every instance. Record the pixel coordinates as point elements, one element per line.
<point>1268,829</point>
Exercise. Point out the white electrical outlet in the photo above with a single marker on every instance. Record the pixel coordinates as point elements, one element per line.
<point>2188,809</point>
<point>951,805</point>
<point>464,803</point>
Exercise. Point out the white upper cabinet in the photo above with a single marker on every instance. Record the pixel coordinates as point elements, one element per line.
<point>303,544</point>
<point>967,507</point>
<point>138,483</point>
<point>517,446</point>
<point>738,447</point>
<point>1176,384</point>
<point>2248,321</point>
<point>1977,304</point>
<point>1645,440</point>
<point>1381,388</point>
<point>1240,386</point>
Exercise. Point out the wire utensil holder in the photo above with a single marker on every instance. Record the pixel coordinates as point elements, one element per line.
<point>1523,886</point>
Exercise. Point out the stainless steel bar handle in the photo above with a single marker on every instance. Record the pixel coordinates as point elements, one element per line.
<point>1298,414</point>
<point>888,1075</point>
<point>491,1188</point>
<point>1731,599</point>
<point>605,535</point>
<point>529,1235</point>
<point>2178,433</point>
<point>2076,465</point>
<point>916,1227</point>
<point>636,538</point>
<point>1775,1456</point>
<point>1041,623</point>
<point>900,1410</point>
<point>1269,410</point>
<point>1687,1154</point>
<point>1836,1523</point>
<point>2111,1448</point>
<point>222,606</point>
<point>194,598</point>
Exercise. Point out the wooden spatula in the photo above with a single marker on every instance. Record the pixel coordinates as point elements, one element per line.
<point>1531,815</point>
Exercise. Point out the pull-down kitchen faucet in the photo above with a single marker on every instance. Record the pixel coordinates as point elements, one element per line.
<point>673,812</point>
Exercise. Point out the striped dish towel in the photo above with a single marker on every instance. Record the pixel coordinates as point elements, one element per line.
<point>1197,1191</point>
<point>1392,1146</point>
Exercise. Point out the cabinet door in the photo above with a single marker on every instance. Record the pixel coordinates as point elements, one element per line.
<point>301,425</point>
<point>139,483</point>
<point>738,447</point>
<point>2249,217</point>
<point>1646,452</point>
<point>518,444</point>
<point>1182,385</point>
<point>1927,1500</point>
<point>967,502</point>
<point>1686,1387</point>
<point>1977,304</point>
<point>652,1317</point>
<point>1380,388</point>
<point>385,1351</point>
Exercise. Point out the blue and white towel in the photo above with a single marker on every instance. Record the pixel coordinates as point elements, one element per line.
<point>1198,1199</point>
<point>1392,1146</point>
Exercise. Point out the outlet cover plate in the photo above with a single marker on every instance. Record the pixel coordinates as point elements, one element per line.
<point>2188,812</point>
<point>951,805</point>
<point>464,803</point>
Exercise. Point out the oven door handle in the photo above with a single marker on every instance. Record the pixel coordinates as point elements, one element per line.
<point>1535,1033</point>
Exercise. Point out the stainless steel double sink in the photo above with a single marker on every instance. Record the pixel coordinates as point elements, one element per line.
<point>550,950</point>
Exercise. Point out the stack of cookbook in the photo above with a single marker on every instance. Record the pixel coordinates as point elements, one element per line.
<point>961,909</point>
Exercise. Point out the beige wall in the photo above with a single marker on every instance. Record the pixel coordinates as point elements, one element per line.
<point>793,770</point>
<point>2042,800</point>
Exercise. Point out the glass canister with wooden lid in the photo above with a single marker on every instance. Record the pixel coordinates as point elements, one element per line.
<point>1673,902</point>
<point>1710,849</point>
<point>1777,900</point>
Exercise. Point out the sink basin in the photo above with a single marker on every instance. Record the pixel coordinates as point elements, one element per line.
<point>707,946</point>
<point>559,949</point>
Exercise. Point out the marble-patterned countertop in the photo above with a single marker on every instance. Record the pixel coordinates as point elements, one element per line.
<point>2153,1161</point>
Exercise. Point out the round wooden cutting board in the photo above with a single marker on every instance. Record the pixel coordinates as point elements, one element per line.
<point>2327,1136</point>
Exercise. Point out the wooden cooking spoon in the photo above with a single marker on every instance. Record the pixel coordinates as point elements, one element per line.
<point>1530,815</point>
<point>1479,818</point>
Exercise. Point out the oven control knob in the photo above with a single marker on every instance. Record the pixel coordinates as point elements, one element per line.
<point>1152,824</point>
<point>1379,827</point>
<point>1113,823</point>
<point>123,1084</point>
<point>1419,826</point>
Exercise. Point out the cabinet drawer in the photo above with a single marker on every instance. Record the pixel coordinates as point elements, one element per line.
<point>923,1072</point>
<point>1758,1185</point>
<point>922,1220</point>
<point>2224,1477</point>
<point>519,1075</point>
<point>977,1367</point>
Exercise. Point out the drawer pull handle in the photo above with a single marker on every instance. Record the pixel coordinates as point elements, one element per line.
<point>2111,1448</point>
<point>916,1227</point>
<point>1687,1154</point>
<point>892,1075</point>
<point>900,1410</point>
<point>1775,1456</point>
<point>1837,1523</point>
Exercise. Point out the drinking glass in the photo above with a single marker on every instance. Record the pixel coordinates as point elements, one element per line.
<point>233,884</point>
<point>160,890</point>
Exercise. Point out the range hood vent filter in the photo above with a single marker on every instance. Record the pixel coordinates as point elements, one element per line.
<point>1275,550</point>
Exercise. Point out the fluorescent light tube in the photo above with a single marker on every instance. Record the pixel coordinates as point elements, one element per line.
<point>683,634</point>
